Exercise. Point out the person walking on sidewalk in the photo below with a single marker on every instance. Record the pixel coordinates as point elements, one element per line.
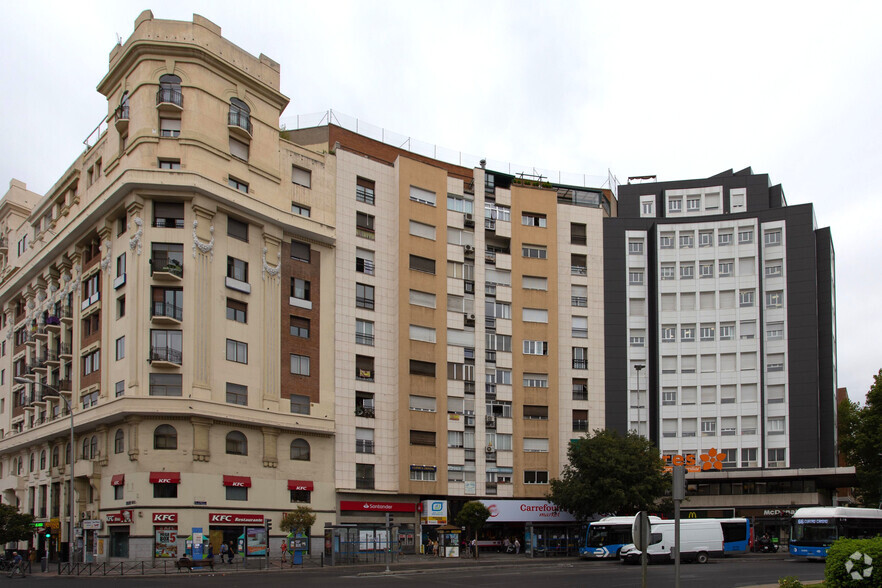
<point>16,565</point>
<point>517,546</point>
<point>224,552</point>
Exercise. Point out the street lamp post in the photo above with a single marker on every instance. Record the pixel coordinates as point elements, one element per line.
<point>55,392</point>
<point>639,367</point>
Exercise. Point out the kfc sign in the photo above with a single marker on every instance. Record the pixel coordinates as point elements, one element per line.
<point>165,517</point>
<point>124,517</point>
<point>235,519</point>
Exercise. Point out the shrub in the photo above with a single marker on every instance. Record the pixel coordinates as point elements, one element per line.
<point>836,571</point>
<point>790,582</point>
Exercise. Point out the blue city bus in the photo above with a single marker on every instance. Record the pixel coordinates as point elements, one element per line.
<point>606,537</point>
<point>737,535</point>
<point>813,530</point>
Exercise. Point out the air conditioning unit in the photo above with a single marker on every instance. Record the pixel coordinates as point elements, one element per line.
<point>489,449</point>
<point>469,217</point>
<point>468,248</point>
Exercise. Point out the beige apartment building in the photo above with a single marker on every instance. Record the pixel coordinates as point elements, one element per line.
<point>170,287</point>
<point>246,320</point>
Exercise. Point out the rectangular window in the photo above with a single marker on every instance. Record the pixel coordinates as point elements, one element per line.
<point>772,238</point>
<point>120,388</point>
<point>422,473</point>
<point>535,380</point>
<point>460,204</point>
<point>727,332</point>
<point>364,476</point>
<point>666,241</point>
<point>92,362</point>
<point>775,362</point>
<point>708,427</point>
<point>237,311</point>
<point>364,261</point>
<point>725,269</point>
<point>535,347</point>
<point>236,493</point>
<point>705,238</point>
<point>675,205</point>
<point>237,394</point>
<point>166,346</point>
<point>364,296</point>
<point>422,196</point>
<point>578,234</point>
<point>534,283</point>
<point>687,271</point>
<point>706,270</point>
<point>237,269</point>
<point>745,236</point>
<point>668,271</point>
<point>364,190</point>
<point>300,365</point>
<point>238,149</point>
<point>533,219</point>
<point>425,299</point>
<point>687,334</point>
<point>635,247</point>
<point>669,334</point>
<point>669,397</point>
<point>774,299</point>
<point>776,425</point>
<point>422,230</point>
<point>422,264</point>
<point>299,327</point>
<point>530,315</point>
<point>300,289</point>
<point>496,342</point>
<point>580,330</point>
<point>166,385</point>
<point>535,477</point>
<point>237,351</point>
<point>535,445</point>
<point>237,229</point>
<point>775,331</point>
<point>687,241</point>
<point>418,333</point>
<point>169,164</point>
<point>422,368</point>
<point>422,438</point>
<point>299,404</point>
<point>120,348</point>
<point>169,127</point>
<point>364,332</point>
<point>422,403</point>
<point>237,184</point>
<point>364,225</point>
<point>707,332</point>
<point>301,177</point>
<point>307,212</point>
<point>693,204</point>
<point>534,251</point>
<point>724,239</point>
<point>300,251</point>
<point>121,266</point>
<point>635,278</point>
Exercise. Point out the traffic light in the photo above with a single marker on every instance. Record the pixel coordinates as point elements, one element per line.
<point>48,535</point>
<point>269,525</point>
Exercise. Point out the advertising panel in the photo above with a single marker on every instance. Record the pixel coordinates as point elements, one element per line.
<point>255,543</point>
<point>525,511</point>
<point>434,512</point>
<point>165,542</point>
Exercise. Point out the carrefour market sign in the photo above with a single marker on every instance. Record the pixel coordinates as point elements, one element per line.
<point>525,511</point>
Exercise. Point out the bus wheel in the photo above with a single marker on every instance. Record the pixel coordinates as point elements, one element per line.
<point>701,557</point>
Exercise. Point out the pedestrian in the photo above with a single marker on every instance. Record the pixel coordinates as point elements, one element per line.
<point>517,546</point>
<point>231,552</point>
<point>32,555</point>
<point>473,547</point>
<point>224,552</point>
<point>210,551</point>
<point>16,565</point>
<point>284,548</point>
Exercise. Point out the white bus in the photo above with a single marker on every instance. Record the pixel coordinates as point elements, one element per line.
<point>813,530</point>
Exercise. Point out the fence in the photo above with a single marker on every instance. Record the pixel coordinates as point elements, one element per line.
<point>167,566</point>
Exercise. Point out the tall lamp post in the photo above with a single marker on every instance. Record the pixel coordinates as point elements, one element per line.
<point>639,367</point>
<point>55,392</point>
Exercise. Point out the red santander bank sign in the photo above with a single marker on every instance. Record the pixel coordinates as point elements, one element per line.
<point>351,505</point>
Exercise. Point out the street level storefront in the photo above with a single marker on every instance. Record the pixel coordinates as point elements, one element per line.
<point>368,517</point>
<point>119,528</point>
<point>246,532</point>
<point>542,528</point>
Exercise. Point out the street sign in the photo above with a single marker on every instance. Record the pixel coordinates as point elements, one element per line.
<point>640,530</point>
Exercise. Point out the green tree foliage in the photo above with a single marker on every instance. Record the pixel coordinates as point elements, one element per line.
<point>846,563</point>
<point>860,440</point>
<point>472,516</point>
<point>298,520</point>
<point>610,473</point>
<point>14,526</point>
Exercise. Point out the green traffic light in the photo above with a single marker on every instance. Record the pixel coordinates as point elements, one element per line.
<point>48,535</point>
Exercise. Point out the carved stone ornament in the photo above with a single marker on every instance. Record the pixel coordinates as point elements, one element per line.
<point>273,271</point>
<point>202,245</point>
<point>135,240</point>
<point>105,263</point>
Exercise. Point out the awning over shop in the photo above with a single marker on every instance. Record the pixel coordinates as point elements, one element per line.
<point>165,477</point>
<point>118,480</point>
<point>237,481</point>
<point>300,485</point>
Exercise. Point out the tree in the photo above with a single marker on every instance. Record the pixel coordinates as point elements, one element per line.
<point>472,516</point>
<point>14,526</point>
<point>298,520</point>
<point>610,473</point>
<point>860,441</point>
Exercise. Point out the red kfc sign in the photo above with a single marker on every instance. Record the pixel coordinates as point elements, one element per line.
<point>165,517</point>
<point>218,518</point>
<point>123,517</point>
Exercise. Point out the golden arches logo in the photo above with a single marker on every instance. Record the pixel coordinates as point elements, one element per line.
<point>712,460</point>
<point>692,515</point>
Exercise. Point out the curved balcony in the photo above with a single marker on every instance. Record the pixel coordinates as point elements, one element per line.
<point>166,357</point>
<point>121,118</point>
<point>239,123</point>
<point>170,99</point>
<point>166,313</point>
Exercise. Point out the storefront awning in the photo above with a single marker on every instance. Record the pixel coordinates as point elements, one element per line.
<point>165,477</point>
<point>237,481</point>
<point>300,485</point>
<point>118,480</point>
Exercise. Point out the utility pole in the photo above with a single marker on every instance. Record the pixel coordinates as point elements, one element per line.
<point>678,493</point>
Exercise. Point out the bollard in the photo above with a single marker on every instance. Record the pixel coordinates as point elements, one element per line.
<point>44,563</point>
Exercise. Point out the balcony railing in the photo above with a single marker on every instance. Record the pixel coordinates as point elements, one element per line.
<point>364,446</point>
<point>364,339</point>
<point>364,411</point>
<point>241,120</point>
<point>580,425</point>
<point>579,270</point>
<point>580,301</point>
<point>580,364</point>
<point>166,354</point>
<point>580,392</point>
<point>170,96</point>
<point>168,223</point>
<point>365,375</point>
<point>167,310</point>
<point>167,266</point>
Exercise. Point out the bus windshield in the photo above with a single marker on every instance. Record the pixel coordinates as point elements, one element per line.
<point>604,535</point>
<point>813,531</point>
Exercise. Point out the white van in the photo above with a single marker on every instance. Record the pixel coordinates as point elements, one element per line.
<point>699,540</point>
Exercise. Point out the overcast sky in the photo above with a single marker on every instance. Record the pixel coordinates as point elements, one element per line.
<point>681,90</point>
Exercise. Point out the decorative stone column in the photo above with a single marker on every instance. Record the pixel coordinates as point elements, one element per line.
<point>136,273</point>
<point>133,422</point>
<point>270,447</point>
<point>271,317</point>
<point>201,279</point>
<point>201,438</point>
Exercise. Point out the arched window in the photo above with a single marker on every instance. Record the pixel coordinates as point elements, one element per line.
<point>67,453</point>
<point>85,454</point>
<point>19,466</point>
<point>93,447</point>
<point>122,113</point>
<point>170,91</point>
<point>119,441</point>
<point>237,443</point>
<point>55,456</point>
<point>300,450</point>
<point>32,463</point>
<point>237,105</point>
<point>43,460</point>
<point>165,437</point>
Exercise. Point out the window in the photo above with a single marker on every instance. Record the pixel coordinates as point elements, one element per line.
<point>635,278</point>
<point>460,204</point>
<point>675,205</point>
<point>707,332</point>
<point>237,229</point>
<point>579,264</point>
<point>745,298</point>
<point>775,331</point>
<point>687,334</point>
<point>580,329</point>
<point>121,307</point>
<point>669,428</point>
<point>364,332</point>
<point>364,368</point>
<point>705,238</point>
<point>364,225</point>
<point>687,271</point>
<point>534,283</point>
<point>647,207</point>
<point>579,296</point>
<point>299,327</point>
<point>364,404</point>
<point>706,270</point>
<point>418,333</point>
<point>418,298</point>
<point>454,439</point>
<point>530,315</point>
<point>422,438</point>
<point>165,437</point>
<point>120,388</point>
<point>237,311</point>
<point>687,241</point>
<point>237,269</point>
<point>693,204</point>
<point>237,394</point>
<point>166,385</point>
<point>422,403</point>
<point>300,251</point>
<point>422,264</point>
<point>745,236</point>
<point>301,177</point>
<point>236,493</point>
<point>300,290</point>
<point>774,270</point>
<point>708,427</point>
<point>92,362</point>
<point>306,211</point>
<point>725,268</point>
<point>120,348</point>
<point>422,368</point>
<point>300,365</point>
<point>532,219</point>
<point>535,380</point>
<point>774,299</point>
<point>425,231</point>
<point>299,450</point>
<point>775,362</point>
<point>238,149</point>
<point>237,184</point>
<point>535,347</point>
<point>724,238</point>
<point>120,268</point>
<point>635,247</point>
<point>422,196</point>
<point>364,261</point>
<point>775,394</point>
<point>666,241</point>
<point>364,476</point>
<point>580,358</point>
<point>364,440</point>
<point>299,404</point>
<point>535,445</point>
<point>669,334</point>
<point>578,233</point>
<point>119,443</point>
<point>535,477</point>
<point>170,127</point>
<point>772,238</point>
<point>237,443</point>
<point>669,396</point>
<point>534,251</point>
<point>667,271</point>
<point>776,425</point>
<point>166,346</point>
<point>364,190</point>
